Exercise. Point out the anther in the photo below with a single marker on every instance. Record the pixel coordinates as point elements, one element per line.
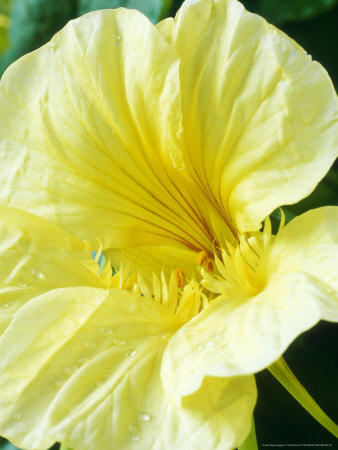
<point>210,266</point>
<point>201,258</point>
<point>180,278</point>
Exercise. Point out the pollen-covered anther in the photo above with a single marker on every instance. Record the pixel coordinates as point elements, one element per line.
<point>210,266</point>
<point>180,277</point>
<point>203,260</point>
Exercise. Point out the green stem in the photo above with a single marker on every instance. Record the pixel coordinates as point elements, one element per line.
<point>64,447</point>
<point>251,441</point>
<point>281,371</point>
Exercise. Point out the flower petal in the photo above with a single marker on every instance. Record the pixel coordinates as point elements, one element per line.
<point>98,108</point>
<point>37,256</point>
<point>309,243</point>
<point>239,338</point>
<point>90,358</point>
<point>259,116</point>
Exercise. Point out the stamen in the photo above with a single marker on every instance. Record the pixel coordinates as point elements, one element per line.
<point>202,257</point>
<point>210,266</point>
<point>180,278</point>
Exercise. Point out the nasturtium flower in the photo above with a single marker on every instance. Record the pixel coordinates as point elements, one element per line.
<point>81,353</point>
<point>166,148</point>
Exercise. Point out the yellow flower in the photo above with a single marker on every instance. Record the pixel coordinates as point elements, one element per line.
<point>169,145</point>
<point>81,354</point>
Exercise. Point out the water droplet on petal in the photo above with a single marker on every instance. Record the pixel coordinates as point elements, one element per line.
<point>38,274</point>
<point>131,353</point>
<point>89,344</point>
<point>17,416</point>
<point>119,342</point>
<point>210,344</point>
<point>118,39</point>
<point>153,328</point>
<point>22,285</point>
<point>69,370</point>
<point>135,438</point>
<point>5,305</point>
<point>133,428</point>
<point>59,383</point>
<point>82,360</point>
<point>200,347</point>
<point>106,331</point>
<point>144,417</point>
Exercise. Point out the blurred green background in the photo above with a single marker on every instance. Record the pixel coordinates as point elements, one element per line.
<point>280,421</point>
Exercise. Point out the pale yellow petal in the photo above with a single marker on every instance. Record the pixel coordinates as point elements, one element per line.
<point>37,256</point>
<point>98,108</point>
<point>259,116</point>
<point>309,243</point>
<point>82,366</point>
<point>246,335</point>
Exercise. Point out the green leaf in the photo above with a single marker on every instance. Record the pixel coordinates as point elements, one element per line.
<point>33,23</point>
<point>5,6</point>
<point>155,10</point>
<point>282,11</point>
<point>4,41</point>
<point>281,371</point>
<point>5,445</point>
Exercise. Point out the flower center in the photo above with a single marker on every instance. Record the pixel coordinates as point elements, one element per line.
<point>240,270</point>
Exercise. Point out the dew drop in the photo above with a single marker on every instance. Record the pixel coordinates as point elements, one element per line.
<point>135,438</point>
<point>38,274</point>
<point>119,342</point>
<point>133,428</point>
<point>5,305</point>
<point>200,347</point>
<point>144,417</point>
<point>69,370</point>
<point>17,416</point>
<point>136,289</point>
<point>99,383</point>
<point>210,344</point>
<point>118,39</point>
<point>89,344</point>
<point>131,353</point>
<point>152,328</point>
<point>82,360</point>
<point>22,285</point>
<point>106,331</point>
<point>58,383</point>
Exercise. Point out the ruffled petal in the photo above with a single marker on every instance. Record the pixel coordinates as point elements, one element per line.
<point>82,366</point>
<point>309,243</point>
<point>232,338</point>
<point>243,335</point>
<point>259,116</point>
<point>98,108</point>
<point>37,256</point>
